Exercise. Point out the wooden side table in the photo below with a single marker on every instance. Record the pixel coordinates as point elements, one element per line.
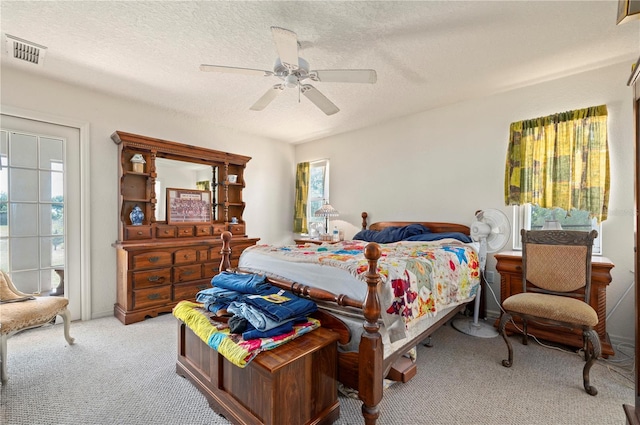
<point>509,265</point>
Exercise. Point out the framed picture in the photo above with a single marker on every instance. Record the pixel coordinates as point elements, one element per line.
<point>188,206</point>
<point>627,10</point>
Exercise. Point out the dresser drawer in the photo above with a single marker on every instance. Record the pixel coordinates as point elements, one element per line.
<point>185,256</point>
<point>218,229</point>
<point>137,232</point>
<point>209,270</point>
<point>203,230</point>
<point>236,229</point>
<point>185,231</point>
<point>214,254</point>
<point>187,273</point>
<point>166,231</point>
<point>188,291</point>
<point>151,259</point>
<point>149,297</point>
<point>148,278</point>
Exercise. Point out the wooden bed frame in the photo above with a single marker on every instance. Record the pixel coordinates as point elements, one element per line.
<point>366,369</point>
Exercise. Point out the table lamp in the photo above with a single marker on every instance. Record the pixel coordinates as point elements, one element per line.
<point>326,211</point>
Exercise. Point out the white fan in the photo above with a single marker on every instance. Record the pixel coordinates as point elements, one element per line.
<point>491,228</point>
<point>294,73</point>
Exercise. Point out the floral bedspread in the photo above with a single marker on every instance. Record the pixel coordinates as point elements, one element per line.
<point>418,278</point>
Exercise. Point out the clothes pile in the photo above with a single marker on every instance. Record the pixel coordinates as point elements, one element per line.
<point>253,307</point>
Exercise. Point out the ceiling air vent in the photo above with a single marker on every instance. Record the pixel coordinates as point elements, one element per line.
<point>24,51</point>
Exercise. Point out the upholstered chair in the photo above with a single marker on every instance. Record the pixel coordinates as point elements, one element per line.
<point>556,284</point>
<point>20,311</point>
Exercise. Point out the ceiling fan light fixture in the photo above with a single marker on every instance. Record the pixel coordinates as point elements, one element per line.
<point>291,81</point>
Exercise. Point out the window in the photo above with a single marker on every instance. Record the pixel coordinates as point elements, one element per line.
<point>557,171</point>
<point>318,192</point>
<point>533,217</point>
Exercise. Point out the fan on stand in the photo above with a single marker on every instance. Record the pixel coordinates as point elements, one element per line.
<point>491,228</point>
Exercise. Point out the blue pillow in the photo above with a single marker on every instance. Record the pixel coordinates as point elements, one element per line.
<point>391,234</point>
<point>428,237</point>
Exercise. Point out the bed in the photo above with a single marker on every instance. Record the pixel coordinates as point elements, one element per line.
<point>367,293</point>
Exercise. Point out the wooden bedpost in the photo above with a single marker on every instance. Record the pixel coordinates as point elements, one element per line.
<point>225,262</point>
<point>364,216</point>
<point>370,367</point>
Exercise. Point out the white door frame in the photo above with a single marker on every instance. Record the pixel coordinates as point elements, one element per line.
<point>85,224</point>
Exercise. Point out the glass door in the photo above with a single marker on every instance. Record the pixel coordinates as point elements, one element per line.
<point>32,225</point>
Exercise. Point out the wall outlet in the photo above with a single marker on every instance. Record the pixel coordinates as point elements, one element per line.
<point>489,276</point>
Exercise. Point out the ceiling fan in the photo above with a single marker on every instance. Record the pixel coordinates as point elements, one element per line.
<point>294,72</point>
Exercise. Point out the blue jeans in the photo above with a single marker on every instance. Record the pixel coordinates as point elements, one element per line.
<point>272,308</point>
<point>245,283</point>
<point>215,299</point>
<point>253,333</point>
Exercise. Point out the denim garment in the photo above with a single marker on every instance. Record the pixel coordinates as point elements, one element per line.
<point>255,316</point>
<point>281,311</point>
<point>265,314</point>
<point>215,299</point>
<point>253,333</point>
<point>245,283</point>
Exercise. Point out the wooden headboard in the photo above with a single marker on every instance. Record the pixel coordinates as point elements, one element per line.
<point>434,226</point>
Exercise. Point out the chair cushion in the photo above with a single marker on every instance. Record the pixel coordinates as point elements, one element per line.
<point>6,294</point>
<point>21,315</point>
<point>558,268</point>
<point>553,307</point>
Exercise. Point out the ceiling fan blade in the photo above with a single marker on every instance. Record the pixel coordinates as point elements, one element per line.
<point>368,76</point>
<point>267,98</point>
<point>234,70</point>
<point>287,46</point>
<point>319,99</point>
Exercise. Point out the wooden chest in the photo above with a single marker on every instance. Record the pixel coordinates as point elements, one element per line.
<point>294,384</point>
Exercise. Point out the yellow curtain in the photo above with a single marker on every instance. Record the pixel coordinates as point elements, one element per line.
<point>560,161</point>
<point>302,194</point>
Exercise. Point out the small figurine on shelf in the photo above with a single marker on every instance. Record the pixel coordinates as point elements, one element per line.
<point>137,163</point>
<point>136,216</point>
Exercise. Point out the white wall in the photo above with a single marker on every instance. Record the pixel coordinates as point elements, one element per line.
<point>269,174</point>
<point>440,165</point>
<point>444,164</point>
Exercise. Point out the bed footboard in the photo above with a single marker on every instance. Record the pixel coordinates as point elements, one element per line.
<point>367,364</point>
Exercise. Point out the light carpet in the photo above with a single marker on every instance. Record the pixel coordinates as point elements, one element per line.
<point>118,374</point>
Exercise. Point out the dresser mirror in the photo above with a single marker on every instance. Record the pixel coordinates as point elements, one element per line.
<point>184,175</point>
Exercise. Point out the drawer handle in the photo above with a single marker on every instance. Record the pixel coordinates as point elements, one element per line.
<point>154,259</point>
<point>139,233</point>
<point>201,287</point>
<point>166,232</point>
<point>519,268</point>
<point>187,272</point>
<point>155,278</point>
<point>155,296</point>
<point>186,256</point>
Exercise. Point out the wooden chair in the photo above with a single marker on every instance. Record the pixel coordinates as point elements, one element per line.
<point>556,284</point>
<point>20,311</point>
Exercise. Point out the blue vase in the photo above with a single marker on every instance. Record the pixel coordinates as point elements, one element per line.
<point>136,216</point>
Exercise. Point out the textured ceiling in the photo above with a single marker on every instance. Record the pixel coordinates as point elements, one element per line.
<point>426,54</point>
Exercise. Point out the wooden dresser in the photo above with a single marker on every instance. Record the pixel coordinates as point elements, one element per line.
<point>153,277</point>
<point>509,265</point>
<point>166,254</point>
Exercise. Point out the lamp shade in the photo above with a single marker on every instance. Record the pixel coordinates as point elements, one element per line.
<point>327,211</point>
